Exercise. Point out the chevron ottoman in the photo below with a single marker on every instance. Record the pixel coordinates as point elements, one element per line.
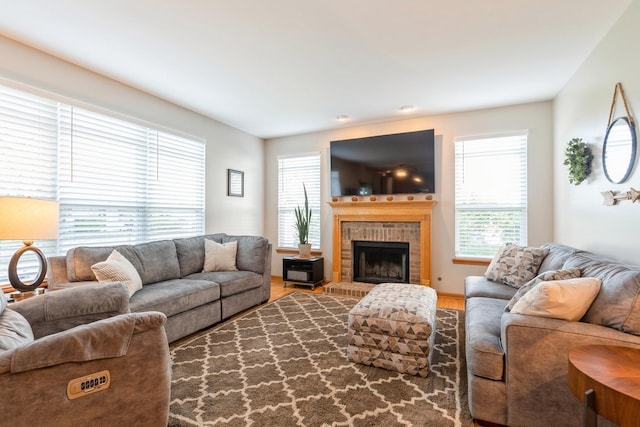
<point>393,327</point>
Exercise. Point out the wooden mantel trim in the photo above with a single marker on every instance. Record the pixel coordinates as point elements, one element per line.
<point>380,211</point>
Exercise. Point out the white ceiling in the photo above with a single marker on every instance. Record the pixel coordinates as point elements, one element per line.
<point>282,67</point>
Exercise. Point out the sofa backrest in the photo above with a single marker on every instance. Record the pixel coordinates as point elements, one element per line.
<point>557,256</point>
<point>190,252</point>
<point>252,252</point>
<point>154,261</point>
<point>617,304</point>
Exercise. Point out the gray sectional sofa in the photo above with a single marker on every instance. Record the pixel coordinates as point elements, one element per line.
<point>173,279</point>
<point>517,364</point>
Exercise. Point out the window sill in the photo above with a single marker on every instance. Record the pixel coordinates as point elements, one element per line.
<point>292,251</point>
<point>472,261</point>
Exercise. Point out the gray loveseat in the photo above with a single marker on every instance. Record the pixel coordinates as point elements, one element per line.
<point>517,364</point>
<point>173,279</point>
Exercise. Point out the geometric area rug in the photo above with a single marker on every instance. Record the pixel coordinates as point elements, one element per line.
<point>285,364</point>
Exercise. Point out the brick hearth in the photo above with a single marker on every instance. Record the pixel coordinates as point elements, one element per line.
<point>393,221</point>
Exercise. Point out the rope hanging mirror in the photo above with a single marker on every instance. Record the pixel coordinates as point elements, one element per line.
<point>619,150</point>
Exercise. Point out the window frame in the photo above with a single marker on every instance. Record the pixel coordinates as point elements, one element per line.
<point>503,203</point>
<point>294,192</point>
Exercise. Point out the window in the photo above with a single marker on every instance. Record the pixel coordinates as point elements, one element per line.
<point>117,182</point>
<point>491,193</point>
<point>293,172</point>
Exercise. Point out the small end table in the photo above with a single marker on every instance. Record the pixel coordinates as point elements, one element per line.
<point>607,380</point>
<point>303,271</point>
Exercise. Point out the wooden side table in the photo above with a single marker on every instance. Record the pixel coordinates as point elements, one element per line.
<point>607,380</point>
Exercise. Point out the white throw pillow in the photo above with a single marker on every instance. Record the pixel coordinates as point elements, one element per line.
<point>117,268</point>
<point>560,299</point>
<point>220,256</point>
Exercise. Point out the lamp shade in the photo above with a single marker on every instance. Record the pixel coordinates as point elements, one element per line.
<point>25,218</point>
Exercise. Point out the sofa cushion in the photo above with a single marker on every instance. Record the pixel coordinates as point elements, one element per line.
<point>570,273</point>
<point>252,252</point>
<point>559,299</point>
<point>231,282</point>
<point>485,355</point>
<point>190,252</point>
<point>220,256</point>
<point>480,286</point>
<point>14,330</point>
<point>617,304</point>
<point>556,257</point>
<point>156,261</point>
<point>174,296</point>
<point>116,268</point>
<point>515,265</point>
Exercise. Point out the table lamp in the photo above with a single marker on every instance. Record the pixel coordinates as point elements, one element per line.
<point>28,219</point>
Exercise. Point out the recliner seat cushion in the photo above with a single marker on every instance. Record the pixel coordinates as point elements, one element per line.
<point>174,296</point>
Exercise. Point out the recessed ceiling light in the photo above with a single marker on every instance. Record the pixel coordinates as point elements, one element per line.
<point>342,118</point>
<point>407,108</point>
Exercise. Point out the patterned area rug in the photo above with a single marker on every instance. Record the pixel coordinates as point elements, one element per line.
<point>285,364</point>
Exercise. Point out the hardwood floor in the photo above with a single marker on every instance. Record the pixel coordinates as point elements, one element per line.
<point>278,290</point>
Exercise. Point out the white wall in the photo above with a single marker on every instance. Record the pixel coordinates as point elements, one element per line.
<point>446,277</point>
<point>581,110</point>
<point>227,147</point>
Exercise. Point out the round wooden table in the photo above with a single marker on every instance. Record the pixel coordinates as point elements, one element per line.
<point>607,380</point>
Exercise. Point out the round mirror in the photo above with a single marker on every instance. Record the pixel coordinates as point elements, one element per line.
<point>619,150</point>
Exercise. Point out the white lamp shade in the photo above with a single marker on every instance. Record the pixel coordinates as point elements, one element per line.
<point>25,218</point>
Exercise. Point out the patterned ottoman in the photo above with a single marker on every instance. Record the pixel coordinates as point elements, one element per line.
<point>393,327</point>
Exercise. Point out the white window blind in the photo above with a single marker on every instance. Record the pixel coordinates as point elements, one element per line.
<point>491,193</point>
<point>117,182</point>
<point>28,163</point>
<point>293,172</point>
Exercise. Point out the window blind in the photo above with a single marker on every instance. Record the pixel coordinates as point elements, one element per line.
<point>117,182</point>
<point>293,172</point>
<point>28,163</point>
<point>490,193</point>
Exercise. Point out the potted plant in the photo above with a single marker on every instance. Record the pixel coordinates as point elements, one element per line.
<point>578,157</point>
<point>303,221</point>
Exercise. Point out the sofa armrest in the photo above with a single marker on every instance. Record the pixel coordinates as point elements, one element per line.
<point>140,378</point>
<point>536,364</point>
<point>104,339</point>
<point>64,309</point>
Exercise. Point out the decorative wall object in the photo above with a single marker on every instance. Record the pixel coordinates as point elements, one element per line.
<point>619,148</point>
<point>235,183</point>
<point>578,157</point>
<point>613,197</point>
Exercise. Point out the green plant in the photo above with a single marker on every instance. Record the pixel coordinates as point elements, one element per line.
<point>303,219</point>
<point>578,157</point>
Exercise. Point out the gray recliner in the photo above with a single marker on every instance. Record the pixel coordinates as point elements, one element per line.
<point>79,357</point>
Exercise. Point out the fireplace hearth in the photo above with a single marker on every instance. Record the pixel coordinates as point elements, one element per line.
<point>380,262</point>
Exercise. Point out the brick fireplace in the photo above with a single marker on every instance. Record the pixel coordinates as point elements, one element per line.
<point>407,221</point>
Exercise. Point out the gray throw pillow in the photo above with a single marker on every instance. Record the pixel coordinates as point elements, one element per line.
<point>515,265</point>
<point>14,330</point>
<point>570,273</point>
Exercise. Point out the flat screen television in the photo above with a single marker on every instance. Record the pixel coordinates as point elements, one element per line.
<point>401,163</point>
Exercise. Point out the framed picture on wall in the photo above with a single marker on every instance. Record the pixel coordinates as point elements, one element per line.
<point>235,183</point>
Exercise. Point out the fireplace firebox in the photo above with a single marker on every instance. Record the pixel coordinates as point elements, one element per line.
<point>380,262</point>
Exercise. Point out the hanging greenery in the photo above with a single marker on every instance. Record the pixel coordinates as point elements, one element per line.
<point>578,157</point>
